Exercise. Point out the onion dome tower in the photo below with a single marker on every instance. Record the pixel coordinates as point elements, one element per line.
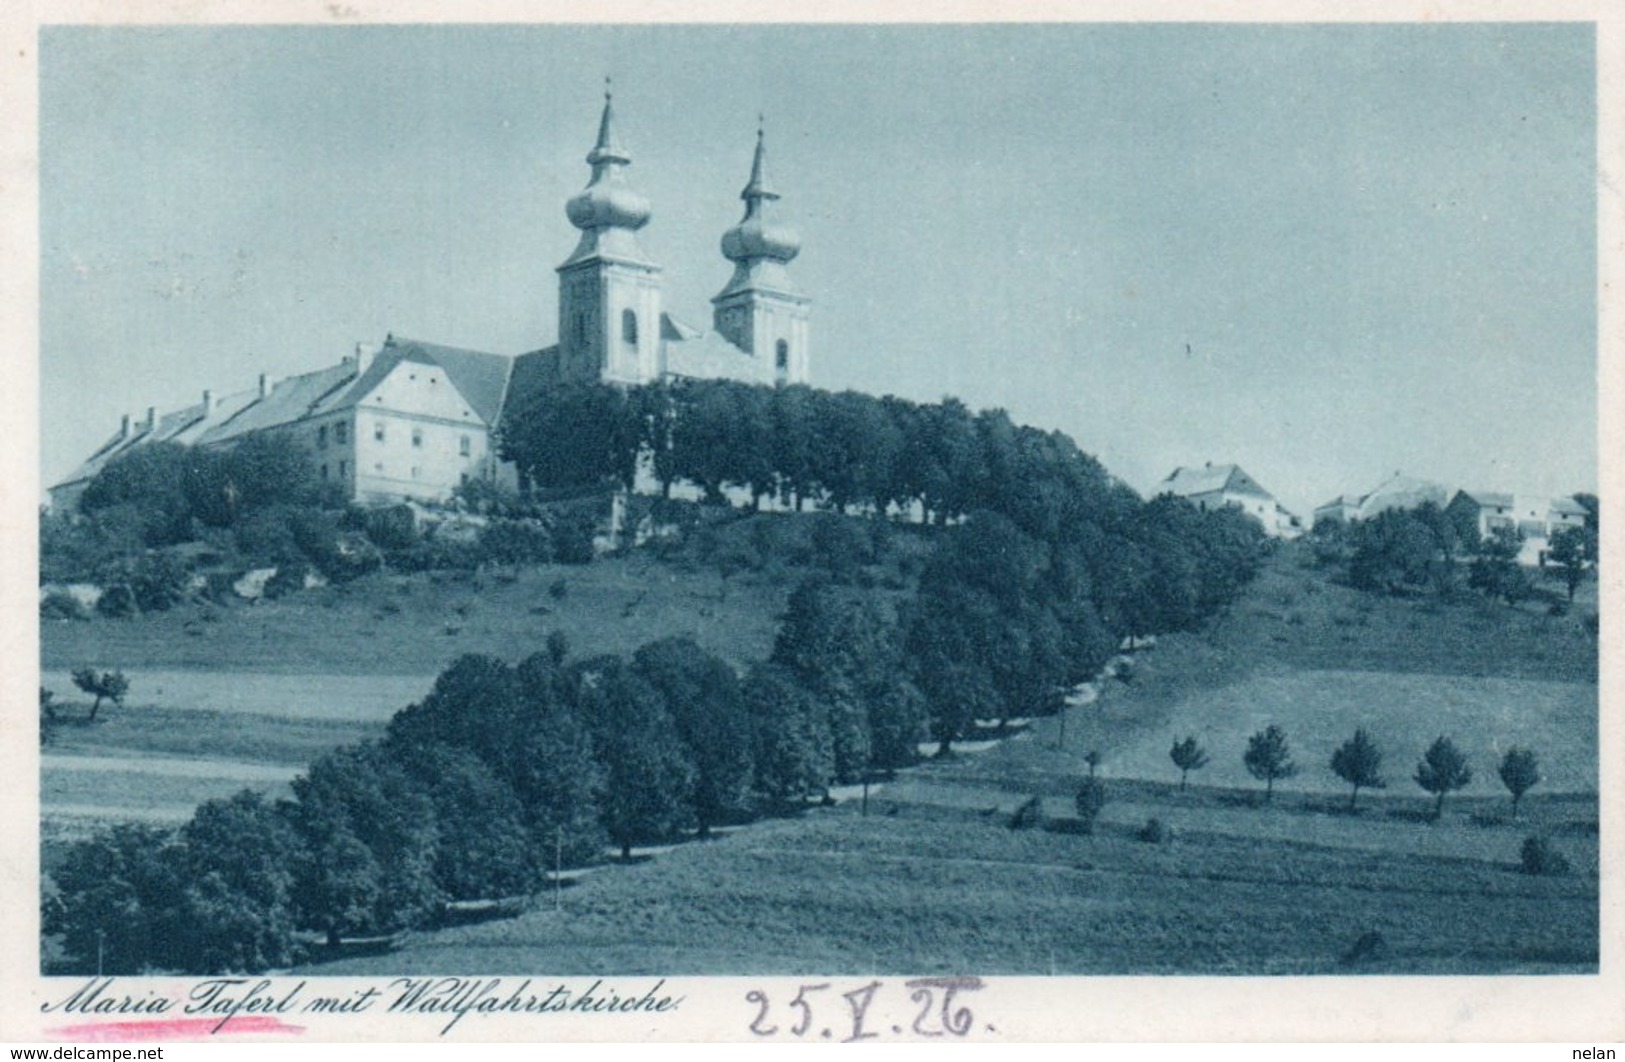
<point>609,290</point>
<point>760,311</point>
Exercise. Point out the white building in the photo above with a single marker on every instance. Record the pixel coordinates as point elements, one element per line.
<point>1228,486</point>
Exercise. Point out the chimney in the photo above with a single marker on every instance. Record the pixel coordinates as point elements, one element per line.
<point>265,385</point>
<point>152,417</point>
<point>364,353</point>
<point>208,400</point>
<point>124,427</point>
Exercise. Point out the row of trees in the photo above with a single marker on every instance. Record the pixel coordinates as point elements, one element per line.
<point>842,450</point>
<point>500,774</point>
<point>1442,770</point>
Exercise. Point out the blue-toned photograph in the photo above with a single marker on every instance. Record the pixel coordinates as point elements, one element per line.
<point>846,499</point>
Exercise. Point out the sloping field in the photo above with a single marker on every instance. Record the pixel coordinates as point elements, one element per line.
<point>927,890</point>
<point>1321,709</point>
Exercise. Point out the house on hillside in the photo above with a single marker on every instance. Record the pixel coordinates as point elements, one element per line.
<point>1228,486</point>
<point>1536,518</point>
<point>411,421</point>
<point>1398,491</point>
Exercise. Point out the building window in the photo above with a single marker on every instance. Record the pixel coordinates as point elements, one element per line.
<point>378,431</point>
<point>344,470</point>
<point>781,355</point>
<point>417,437</point>
<point>321,437</point>
<point>465,446</point>
<point>341,433</point>
<point>324,470</point>
<point>416,471</point>
<point>629,328</point>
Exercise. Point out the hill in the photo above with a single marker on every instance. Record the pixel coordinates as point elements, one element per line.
<point>934,879</point>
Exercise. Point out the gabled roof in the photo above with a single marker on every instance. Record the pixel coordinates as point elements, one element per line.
<point>1188,482</point>
<point>1342,501</point>
<point>1569,505</point>
<point>534,371</point>
<point>479,377</point>
<point>1400,491</point>
<point>709,355</point>
<point>1487,499</point>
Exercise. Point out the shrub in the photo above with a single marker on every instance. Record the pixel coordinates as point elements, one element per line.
<point>61,605</point>
<point>516,542</point>
<point>117,601</point>
<point>288,579</point>
<point>1155,831</point>
<point>1371,947</point>
<point>1537,856</point>
<point>1029,816</point>
<point>1090,800</point>
<point>391,528</point>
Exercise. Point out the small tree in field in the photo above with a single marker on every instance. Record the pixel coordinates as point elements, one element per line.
<point>1268,758</point>
<point>1358,762</point>
<point>104,686</point>
<point>1443,770</point>
<point>1519,773</point>
<point>1090,800</point>
<point>1188,756</point>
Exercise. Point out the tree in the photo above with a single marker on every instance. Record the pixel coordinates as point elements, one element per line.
<point>1268,758</point>
<point>105,685</point>
<point>1520,771</point>
<point>649,783</point>
<point>237,912</point>
<point>1495,570</point>
<point>120,899</point>
<point>702,693</point>
<point>1358,762</point>
<point>1188,756</point>
<point>794,752</point>
<point>1443,770</point>
<point>369,844</point>
<point>1091,798</point>
<point>1571,549</point>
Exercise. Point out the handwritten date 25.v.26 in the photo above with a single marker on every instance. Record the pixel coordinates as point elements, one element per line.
<point>935,1008</point>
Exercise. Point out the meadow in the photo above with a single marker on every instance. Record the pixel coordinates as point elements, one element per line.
<point>933,879</point>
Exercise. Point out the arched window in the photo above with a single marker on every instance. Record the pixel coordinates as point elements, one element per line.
<point>781,356</point>
<point>629,328</point>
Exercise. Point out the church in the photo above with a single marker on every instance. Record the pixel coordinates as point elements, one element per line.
<point>411,421</point>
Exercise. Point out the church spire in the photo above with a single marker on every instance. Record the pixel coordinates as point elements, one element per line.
<point>609,212</point>
<point>758,246</point>
<point>759,310</point>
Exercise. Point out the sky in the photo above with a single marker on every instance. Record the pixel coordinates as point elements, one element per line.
<point>1327,253</point>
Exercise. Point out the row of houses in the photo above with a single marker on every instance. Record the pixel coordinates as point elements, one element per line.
<point>1535,517</point>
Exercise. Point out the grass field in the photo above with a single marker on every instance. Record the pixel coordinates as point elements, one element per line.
<point>417,624</point>
<point>934,880</point>
<point>941,890</point>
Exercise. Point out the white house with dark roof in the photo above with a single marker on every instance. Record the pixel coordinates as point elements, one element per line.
<point>1228,486</point>
<point>411,420</point>
<point>1535,517</point>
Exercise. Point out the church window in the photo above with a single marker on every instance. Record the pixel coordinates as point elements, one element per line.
<point>465,446</point>
<point>378,431</point>
<point>321,437</point>
<point>341,433</point>
<point>629,327</point>
<point>781,356</point>
<point>417,437</point>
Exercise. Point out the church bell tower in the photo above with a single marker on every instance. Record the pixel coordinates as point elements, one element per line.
<point>760,311</point>
<point>609,290</point>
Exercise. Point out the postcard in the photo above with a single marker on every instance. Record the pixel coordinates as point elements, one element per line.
<point>813,523</point>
